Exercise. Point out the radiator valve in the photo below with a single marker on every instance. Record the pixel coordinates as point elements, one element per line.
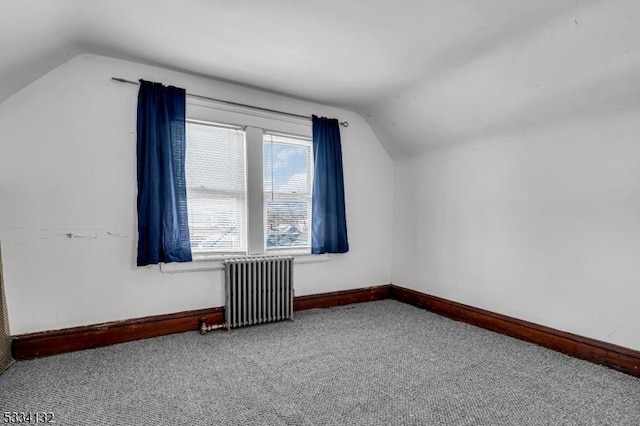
<point>204,328</point>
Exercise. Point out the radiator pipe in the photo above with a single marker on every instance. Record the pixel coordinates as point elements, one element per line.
<point>204,328</point>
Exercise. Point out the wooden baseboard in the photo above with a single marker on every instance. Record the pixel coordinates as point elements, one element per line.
<point>46,343</point>
<point>345,297</point>
<point>34,345</point>
<point>613,356</point>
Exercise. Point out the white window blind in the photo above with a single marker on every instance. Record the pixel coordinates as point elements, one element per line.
<point>287,191</point>
<point>216,188</point>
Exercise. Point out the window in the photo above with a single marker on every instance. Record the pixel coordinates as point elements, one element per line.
<point>216,188</point>
<point>287,191</point>
<point>248,189</point>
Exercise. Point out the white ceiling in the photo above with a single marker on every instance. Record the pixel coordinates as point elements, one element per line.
<point>418,70</point>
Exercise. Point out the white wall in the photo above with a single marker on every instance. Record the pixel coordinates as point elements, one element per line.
<point>67,166</point>
<point>527,202</point>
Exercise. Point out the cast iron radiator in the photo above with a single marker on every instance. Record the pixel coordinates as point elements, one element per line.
<point>258,290</point>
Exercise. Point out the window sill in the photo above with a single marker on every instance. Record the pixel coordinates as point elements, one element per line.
<point>215,263</point>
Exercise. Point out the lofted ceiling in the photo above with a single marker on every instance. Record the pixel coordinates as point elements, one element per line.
<point>423,72</point>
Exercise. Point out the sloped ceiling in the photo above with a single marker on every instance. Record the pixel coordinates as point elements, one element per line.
<point>423,72</point>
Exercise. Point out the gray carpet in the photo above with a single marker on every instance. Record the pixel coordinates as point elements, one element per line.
<point>379,363</point>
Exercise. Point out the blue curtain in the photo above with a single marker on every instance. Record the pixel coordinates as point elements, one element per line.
<point>328,221</point>
<point>163,229</point>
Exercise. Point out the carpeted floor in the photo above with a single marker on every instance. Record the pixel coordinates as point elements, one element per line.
<point>379,363</point>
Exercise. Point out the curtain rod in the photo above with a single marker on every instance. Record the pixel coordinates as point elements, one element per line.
<point>342,123</point>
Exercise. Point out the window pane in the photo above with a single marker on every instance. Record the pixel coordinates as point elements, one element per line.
<point>215,158</point>
<point>216,195</point>
<point>287,188</point>
<point>214,224</point>
<point>288,224</point>
<point>286,166</point>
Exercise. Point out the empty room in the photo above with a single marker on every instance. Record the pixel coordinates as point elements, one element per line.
<point>331,213</point>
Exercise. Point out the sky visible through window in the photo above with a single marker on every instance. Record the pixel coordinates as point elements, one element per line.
<point>286,168</point>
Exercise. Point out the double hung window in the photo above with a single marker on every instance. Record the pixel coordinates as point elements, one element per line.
<point>216,188</point>
<point>287,191</point>
<point>248,187</point>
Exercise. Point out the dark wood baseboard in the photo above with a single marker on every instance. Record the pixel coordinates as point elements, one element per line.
<point>46,343</point>
<point>613,356</point>
<point>34,345</point>
<point>345,297</point>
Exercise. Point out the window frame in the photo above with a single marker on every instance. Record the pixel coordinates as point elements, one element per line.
<point>256,125</point>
